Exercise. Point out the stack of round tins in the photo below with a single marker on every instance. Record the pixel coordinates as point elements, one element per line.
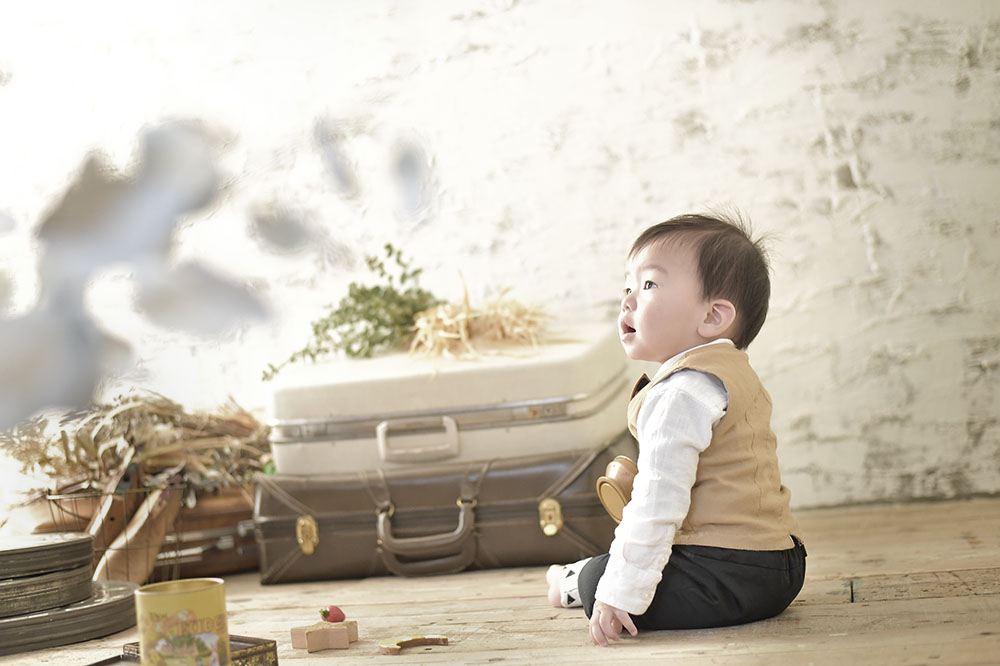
<point>111,609</point>
<point>47,597</point>
<point>44,571</point>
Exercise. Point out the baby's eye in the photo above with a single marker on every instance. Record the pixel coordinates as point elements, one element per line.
<point>649,284</point>
<point>627,291</point>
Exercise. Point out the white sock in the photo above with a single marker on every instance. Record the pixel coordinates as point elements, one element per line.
<point>569,586</point>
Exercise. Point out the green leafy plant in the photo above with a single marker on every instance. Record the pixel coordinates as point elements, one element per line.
<point>368,318</point>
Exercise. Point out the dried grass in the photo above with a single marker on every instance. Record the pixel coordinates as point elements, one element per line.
<point>223,448</point>
<point>452,329</point>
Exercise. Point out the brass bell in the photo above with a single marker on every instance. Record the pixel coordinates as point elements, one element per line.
<point>614,489</point>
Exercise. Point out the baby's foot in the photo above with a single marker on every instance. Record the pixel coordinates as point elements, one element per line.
<point>552,577</point>
<point>563,585</point>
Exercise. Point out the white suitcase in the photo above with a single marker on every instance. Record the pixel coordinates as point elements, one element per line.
<point>400,410</point>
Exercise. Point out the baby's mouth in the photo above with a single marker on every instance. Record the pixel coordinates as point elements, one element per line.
<point>627,329</point>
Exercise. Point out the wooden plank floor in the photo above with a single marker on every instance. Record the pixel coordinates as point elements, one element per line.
<point>898,584</point>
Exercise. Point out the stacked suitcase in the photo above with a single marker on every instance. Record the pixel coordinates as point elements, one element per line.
<point>214,538</point>
<point>419,466</point>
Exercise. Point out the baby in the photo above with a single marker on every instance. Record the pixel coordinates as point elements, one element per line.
<point>708,538</point>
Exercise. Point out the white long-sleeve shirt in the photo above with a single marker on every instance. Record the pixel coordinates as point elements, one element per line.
<point>674,426</point>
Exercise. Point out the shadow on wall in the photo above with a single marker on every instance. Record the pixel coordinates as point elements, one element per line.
<point>56,355</point>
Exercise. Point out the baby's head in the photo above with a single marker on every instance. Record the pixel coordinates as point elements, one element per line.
<point>728,263</point>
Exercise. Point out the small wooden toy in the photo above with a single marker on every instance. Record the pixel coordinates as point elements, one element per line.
<point>614,489</point>
<point>396,645</point>
<point>325,635</point>
<point>352,628</point>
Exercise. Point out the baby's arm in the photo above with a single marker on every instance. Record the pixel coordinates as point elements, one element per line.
<point>674,427</point>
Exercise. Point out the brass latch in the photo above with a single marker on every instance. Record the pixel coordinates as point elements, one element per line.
<point>307,534</point>
<point>550,516</point>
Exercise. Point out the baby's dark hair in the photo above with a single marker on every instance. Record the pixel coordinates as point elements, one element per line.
<point>731,264</point>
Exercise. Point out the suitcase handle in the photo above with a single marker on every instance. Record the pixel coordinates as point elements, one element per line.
<point>448,449</point>
<point>433,545</point>
<point>460,561</point>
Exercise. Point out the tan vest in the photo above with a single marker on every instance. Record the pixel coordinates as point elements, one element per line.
<point>737,500</point>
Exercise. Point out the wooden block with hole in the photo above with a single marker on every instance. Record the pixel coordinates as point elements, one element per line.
<point>396,645</point>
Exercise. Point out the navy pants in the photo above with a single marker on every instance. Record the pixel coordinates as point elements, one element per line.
<point>704,586</point>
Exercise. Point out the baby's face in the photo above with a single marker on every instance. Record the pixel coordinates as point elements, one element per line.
<point>662,306</point>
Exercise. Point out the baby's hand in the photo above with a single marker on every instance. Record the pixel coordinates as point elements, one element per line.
<point>607,622</point>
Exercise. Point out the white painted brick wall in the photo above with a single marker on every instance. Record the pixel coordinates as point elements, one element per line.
<point>863,136</point>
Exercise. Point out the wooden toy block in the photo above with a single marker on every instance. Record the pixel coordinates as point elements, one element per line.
<point>299,633</point>
<point>352,628</point>
<point>396,645</point>
<point>325,639</point>
<point>323,636</point>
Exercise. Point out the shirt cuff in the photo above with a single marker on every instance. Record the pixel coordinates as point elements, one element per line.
<point>626,586</point>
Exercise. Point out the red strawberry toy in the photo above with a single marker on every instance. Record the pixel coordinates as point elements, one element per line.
<point>332,614</point>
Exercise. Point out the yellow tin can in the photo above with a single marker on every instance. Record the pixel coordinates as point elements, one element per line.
<point>183,623</point>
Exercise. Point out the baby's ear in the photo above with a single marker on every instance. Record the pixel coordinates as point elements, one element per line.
<point>718,320</point>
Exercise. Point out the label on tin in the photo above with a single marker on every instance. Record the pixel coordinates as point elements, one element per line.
<point>183,623</point>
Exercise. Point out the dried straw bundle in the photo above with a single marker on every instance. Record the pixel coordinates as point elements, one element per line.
<point>134,464</point>
<point>450,329</point>
<point>213,449</point>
